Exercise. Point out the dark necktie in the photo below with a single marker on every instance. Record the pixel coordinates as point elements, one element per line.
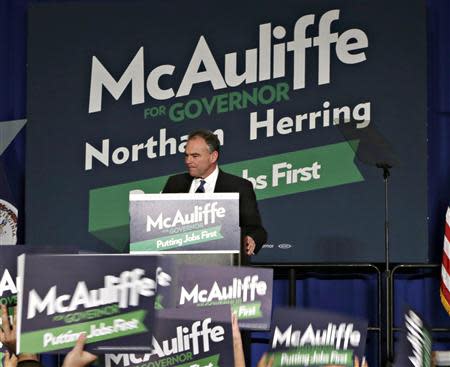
<point>201,188</point>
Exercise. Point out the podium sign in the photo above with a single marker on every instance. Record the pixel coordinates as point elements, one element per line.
<point>184,223</point>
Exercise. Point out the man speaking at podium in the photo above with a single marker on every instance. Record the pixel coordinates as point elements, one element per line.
<point>204,176</point>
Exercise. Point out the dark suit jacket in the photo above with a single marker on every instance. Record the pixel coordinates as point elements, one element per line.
<point>249,218</point>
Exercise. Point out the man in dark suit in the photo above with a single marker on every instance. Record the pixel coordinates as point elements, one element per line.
<point>204,175</point>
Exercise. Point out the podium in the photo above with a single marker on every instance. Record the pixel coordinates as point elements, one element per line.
<point>196,228</point>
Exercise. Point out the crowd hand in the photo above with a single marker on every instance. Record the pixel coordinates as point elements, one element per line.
<point>249,245</point>
<point>10,359</point>
<point>239,360</point>
<point>8,331</point>
<point>363,362</point>
<point>266,361</point>
<point>78,357</point>
<point>433,359</point>
<point>13,360</point>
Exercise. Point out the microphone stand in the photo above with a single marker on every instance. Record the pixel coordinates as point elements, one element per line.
<point>387,272</point>
<point>375,151</point>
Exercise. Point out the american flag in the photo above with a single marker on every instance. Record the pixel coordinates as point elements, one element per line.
<point>445,269</point>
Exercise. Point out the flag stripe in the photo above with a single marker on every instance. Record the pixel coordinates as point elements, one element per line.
<point>447,228</point>
<point>445,268</point>
<point>445,283</point>
<point>444,301</point>
<point>446,248</point>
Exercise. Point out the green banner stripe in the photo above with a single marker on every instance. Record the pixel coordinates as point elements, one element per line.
<point>47,340</point>
<point>212,361</point>
<point>313,356</point>
<point>108,206</point>
<point>246,311</point>
<point>274,176</point>
<point>178,240</point>
<point>300,171</point>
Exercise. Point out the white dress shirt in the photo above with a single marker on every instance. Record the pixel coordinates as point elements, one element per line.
<point>209,185</point>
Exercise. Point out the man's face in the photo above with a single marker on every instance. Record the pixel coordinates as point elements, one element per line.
<point>199,161</point>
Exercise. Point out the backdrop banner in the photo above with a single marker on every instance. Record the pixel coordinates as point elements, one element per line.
<point>306,97</point>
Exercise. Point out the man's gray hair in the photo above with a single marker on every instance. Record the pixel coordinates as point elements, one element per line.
<point>210,138</point>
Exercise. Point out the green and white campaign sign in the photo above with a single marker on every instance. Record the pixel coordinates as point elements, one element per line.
<point>185,338</point>
<point>111,298</point>
<point>183,223</point>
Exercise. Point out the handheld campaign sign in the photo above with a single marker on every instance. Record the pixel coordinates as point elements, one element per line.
<point>415,342</point>
<point>8,272</point>
<point>185,339</point>
<point>109,297</point>
<point>8,276</point>
<point>8,267</point>
<point>316,338</point>
<point>167,279</point>
<point>247,290</point>
<point>184,223</point>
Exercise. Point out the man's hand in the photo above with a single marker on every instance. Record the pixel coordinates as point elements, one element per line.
<point>249,245</point>
<point>8,331</point>
<point>78,357</point>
